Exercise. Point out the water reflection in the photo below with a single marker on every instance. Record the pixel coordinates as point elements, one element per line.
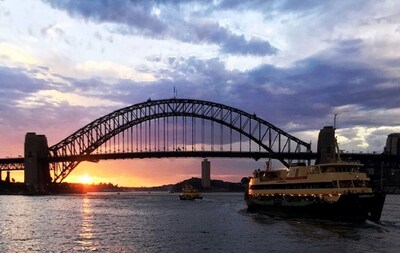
<point>314,230</point>
<point>320,229</point>
<point>16,224</point>
<point>141,222</point>
<point>87,240</point>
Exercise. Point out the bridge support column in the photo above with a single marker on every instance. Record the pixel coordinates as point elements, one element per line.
<point>8,177</point>
<point>37,173</point>
<point>326,148</point>
<point>206,173</point>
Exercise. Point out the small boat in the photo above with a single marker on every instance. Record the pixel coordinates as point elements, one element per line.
<point>190,193</point>
<point>335,190</point>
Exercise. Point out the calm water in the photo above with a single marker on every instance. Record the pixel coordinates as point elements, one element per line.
<point>158,222</point>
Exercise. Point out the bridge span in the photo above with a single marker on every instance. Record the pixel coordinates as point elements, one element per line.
<point>173,126</point>
<point>159,129</point>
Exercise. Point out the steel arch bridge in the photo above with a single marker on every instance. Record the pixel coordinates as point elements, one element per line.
<point>172,127</point>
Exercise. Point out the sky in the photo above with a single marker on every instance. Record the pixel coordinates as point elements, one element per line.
<point>65,63</point>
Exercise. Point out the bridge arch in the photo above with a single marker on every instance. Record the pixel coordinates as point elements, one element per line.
<point>91,137</point>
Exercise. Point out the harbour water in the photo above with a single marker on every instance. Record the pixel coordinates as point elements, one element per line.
<point>160,222</point>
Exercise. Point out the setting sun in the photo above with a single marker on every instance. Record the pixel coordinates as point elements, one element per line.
<point>85,179</point>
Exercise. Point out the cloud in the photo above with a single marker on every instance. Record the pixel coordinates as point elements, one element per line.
<point>205,31</point>
<point>359,115</point>
<point>133,14</point>
<point>12,55</point>
<point>292,63</point>
<point>364,139</point>
<point>112,71</point>
<point>335,77</point>
<point>56,98</point>
<point>29,102</point>
<point>144,18</point>
<point>52,31</point>
<point>17,81</point>
<point>347,75</point>
<point>239,45</point>
<point>320,85</point>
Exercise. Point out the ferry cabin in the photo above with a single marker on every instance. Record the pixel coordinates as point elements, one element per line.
<point>325,181</point>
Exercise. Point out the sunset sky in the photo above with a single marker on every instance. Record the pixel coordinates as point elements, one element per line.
<point>294,63</point>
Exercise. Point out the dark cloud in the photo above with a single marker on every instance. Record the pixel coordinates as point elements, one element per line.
<point>271,7</point>
<point>318,86</point>
<point>137,17</point>
<point>239,45</point>
<point>303,94</point>
<point>135,14</point>
<point>285,6</point>
<point>16,81</point>
<point>343,80</point>
<point>17,85</point>
<point>230,43</point>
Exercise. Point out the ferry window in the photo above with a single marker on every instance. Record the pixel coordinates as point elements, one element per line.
<point>345,184</point>
<point>330,169</point>
<point>321,185</point>
<point>367,184</point>
<point>359,183</point>
<point>316,170</point>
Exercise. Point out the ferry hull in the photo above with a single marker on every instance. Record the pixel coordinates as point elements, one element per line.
<point>189,197</point>
<point>349,207</point>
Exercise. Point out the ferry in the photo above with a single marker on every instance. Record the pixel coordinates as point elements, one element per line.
<point>335,190</point>
<point>190,193</point>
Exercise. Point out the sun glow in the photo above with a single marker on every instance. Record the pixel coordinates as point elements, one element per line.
<point>85,179</point>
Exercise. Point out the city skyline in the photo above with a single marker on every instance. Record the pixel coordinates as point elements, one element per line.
<point>64,64</point>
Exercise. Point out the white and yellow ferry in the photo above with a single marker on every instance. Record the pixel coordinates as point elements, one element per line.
<point>190,193</point>
<point>334,191</point>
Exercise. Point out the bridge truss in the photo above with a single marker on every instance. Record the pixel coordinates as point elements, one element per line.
<point>11,164</point>
<point>179,127</point>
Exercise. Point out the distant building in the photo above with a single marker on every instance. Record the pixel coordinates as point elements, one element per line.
<point>393,144</point>
<point>205,173</point>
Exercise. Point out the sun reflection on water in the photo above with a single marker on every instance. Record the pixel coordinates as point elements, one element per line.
<point>87,240</point>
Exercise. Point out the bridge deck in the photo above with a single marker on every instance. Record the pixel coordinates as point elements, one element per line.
<point>9,164</point>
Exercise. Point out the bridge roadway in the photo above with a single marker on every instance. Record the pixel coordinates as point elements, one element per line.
<point>11,164</point>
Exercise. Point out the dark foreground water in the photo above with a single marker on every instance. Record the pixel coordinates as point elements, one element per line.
<point>158,222</point>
